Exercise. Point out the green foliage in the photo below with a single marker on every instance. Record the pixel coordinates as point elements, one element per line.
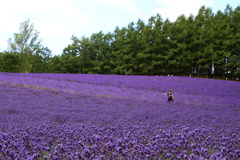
<point>26,41</point>
<point>32,55</point>
<point>205,45</point>
<point>9,62</point>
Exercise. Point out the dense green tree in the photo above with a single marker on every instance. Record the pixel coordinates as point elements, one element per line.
<point>154,39</point>
<point>102,50</point>
<point>182,34</point>
<point>86,53</point>
<point>217,45</point>
<point>40,61</point>
<point>119,50</point>
<point>233,41</point>
<point>131,49</point>
<point>141,43</point>
<point>167,45</point>
<point>70,59</point>
<point>56,65</point>
<point>202,58</point>
<point>9,62</point>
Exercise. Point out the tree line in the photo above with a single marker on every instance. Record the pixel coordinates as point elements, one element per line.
<point>207,44</point>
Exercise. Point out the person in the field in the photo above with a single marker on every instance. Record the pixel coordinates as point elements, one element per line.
<point>170,96</point>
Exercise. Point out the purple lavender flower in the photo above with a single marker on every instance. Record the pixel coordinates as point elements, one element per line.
<point>73,116</point>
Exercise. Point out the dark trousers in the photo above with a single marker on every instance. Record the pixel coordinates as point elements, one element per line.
<point>170,99</point>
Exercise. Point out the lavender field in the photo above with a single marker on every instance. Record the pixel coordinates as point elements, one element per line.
<point>78,116</point>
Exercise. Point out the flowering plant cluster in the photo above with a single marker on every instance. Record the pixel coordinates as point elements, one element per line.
<point>77,116</point>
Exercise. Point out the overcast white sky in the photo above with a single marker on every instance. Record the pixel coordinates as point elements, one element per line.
<point>58,20</point>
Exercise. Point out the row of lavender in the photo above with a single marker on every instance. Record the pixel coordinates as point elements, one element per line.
<point>150,88</point>
<point>63,116</point>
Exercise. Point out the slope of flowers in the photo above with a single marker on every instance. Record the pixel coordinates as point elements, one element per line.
<point>71,116</point>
